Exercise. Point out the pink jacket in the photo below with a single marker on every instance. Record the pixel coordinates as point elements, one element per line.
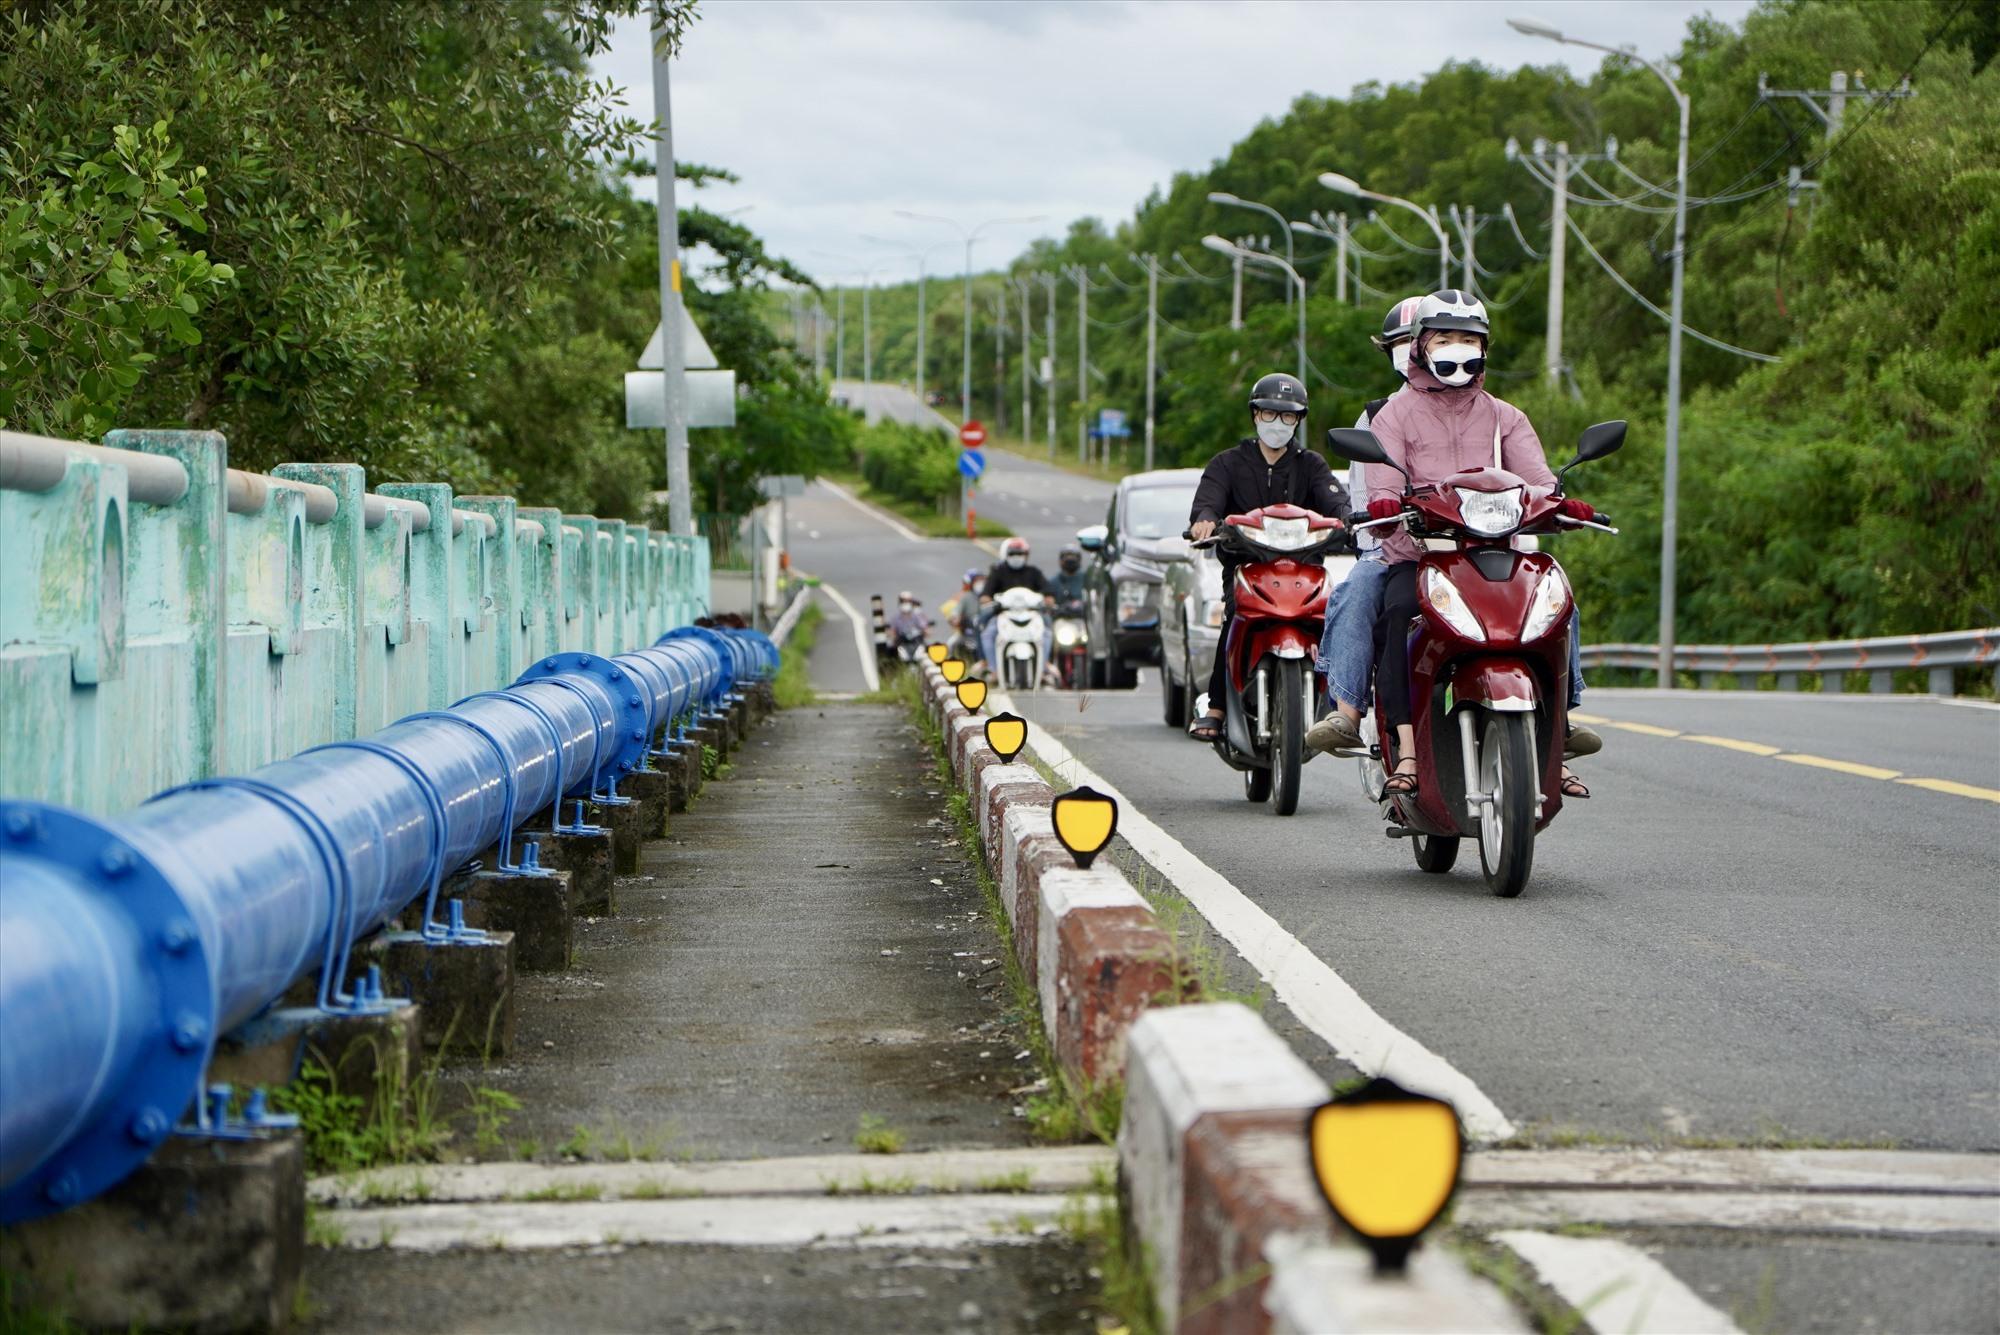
<point>1435,431</point>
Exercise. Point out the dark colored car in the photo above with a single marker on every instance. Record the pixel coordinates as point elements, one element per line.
<point>1140,535</point>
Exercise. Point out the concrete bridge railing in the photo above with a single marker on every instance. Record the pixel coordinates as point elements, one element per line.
<point>165,618</point>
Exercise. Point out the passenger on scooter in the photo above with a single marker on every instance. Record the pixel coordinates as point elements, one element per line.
<point>1067,586</point>
<point>1347,645</point>
<point>1448,423</point>
<point>1270,467</point>
<point>1012,571</point>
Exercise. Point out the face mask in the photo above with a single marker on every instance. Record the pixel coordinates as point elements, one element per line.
<point>1399,357</point>
<point>1456,364</point>
<point>907,607</point>
<point>1016,562</point>
<point>1070,566</point>
<point>1274,435</point>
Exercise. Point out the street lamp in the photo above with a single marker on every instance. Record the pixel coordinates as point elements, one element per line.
<point>971,235</point>
<point>1224,246</point>
<point>1347,185</point>
<point>1670,508</point>
<point>1224,197</point>
<point>921,256</point>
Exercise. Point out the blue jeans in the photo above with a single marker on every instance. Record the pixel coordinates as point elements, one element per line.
<point>1347,646</point>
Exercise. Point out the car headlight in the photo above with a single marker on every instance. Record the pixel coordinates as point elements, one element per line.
<point>1551,600</point>
<point>1490,514</point>
<point>1445,600</point>
<point>1286,535</point>
<point>1215,613</point>
<point>1068,633</point>
<point>1132,597</point>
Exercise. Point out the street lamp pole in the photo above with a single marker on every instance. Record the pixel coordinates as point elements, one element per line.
<point>1224,246</point>
<point>1670,503</point>
<point>971,235</point>
<point>1346,185</point>
<point>1285,227</point>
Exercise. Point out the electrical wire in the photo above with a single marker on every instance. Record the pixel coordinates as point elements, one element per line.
<point>1126,323</point>
<point>1635,294</point>
<point>1329,381</point>
<point>1507,211</point>
<point>1371,289</point>
<point>1622,201</point>
<point>1414,250</point>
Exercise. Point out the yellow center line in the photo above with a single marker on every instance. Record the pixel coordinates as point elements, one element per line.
<point>1749,748</point>
<point>1576,717</point>
<point>1646,728</point>
<point>1844,766</point>
<point>1955,789</point>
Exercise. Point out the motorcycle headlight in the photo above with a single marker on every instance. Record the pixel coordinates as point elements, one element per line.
<point>1446,602</point>
<point>1491,514</point>
<point>1132,597</point>
<point>1286,535</point>
<point>1214,613</point>
<point>1068,634</point>
<point>1551,600</point>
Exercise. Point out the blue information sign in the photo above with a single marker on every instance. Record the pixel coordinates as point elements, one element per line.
<point>971,463</point>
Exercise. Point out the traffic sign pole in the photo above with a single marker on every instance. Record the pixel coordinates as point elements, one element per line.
<point>970,465</point>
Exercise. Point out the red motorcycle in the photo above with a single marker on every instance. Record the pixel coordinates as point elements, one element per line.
<point>1489,663</point>
<point>1274,691</point>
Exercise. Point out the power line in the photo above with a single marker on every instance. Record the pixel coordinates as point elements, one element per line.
<point>1507,212</point>
<point>1637,296</point>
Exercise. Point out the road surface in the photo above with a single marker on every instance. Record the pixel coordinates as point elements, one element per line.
<point>1727,944</point>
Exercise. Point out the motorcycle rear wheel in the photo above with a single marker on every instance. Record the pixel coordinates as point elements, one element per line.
<point>1436,853</point>
<point>1288,735</point>
<point>1173,698</point>
<point>1257,785</point>
<point>1507,830</point>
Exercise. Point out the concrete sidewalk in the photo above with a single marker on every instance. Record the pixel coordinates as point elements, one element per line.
<point>808,949</point>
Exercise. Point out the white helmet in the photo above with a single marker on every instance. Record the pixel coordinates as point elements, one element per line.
<point>1452,309</point>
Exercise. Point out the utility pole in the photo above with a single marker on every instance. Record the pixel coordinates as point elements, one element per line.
<point>867,355</point>
<point>1830,103</point>
<point>1152,263</point>
<point>1023,288</point>
<point>1340,264</point>
<point>1049,283</point>
<point>1082,361</point>
<point>1463,220</point>
<point>840,333</point>
<point>1000,367</point>
<point>1235,292</point>
<point>1554,169</point>
<point>673,341</point>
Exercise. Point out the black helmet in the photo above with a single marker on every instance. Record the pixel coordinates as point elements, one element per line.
<point>1279,393</point>
<point>1400,323</point>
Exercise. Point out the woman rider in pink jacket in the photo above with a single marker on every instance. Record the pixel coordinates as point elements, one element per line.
<point>1448,424</point>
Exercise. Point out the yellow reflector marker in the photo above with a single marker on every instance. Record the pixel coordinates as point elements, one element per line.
<point>953,669</point>
<point>1844,766</point>
<point>1751,748</point>
<point>972,693</point>
<point>1085,820</point>
<point>1646,728</point>
<point>1387,1161</point>
<point>1007,734</point>
<point>1955,788</point>
<point>937,652</point>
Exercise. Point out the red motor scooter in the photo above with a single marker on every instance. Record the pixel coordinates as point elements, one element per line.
<point>1489,663</point>
<point>1274,692</point>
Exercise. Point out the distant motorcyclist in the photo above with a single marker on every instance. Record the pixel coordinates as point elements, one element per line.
<point>962,610</point>
<point>1012,571</point>
<point>909,623</point>
<point>1067,583</point>
<point>1273,466</point>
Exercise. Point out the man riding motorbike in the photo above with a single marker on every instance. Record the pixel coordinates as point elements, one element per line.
<point>1271,467</point>
<point>1446,422</point>
<point>1067,586</point>
<point>1012,571</point>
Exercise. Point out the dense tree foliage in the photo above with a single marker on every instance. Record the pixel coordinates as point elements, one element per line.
<point>359,231</point>
<point>1851,488</point>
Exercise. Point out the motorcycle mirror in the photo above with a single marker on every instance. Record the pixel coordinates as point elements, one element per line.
<point>1091,539</point>
<point>1597,441</point>
<point>1358,445</point>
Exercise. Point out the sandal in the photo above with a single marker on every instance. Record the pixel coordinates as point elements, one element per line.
<point>1573,787</point>
<point>1400,784</point>
<point>1207,728</point>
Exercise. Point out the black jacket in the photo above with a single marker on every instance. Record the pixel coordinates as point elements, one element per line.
<point>1238,480</point>
<point>1003,577</point>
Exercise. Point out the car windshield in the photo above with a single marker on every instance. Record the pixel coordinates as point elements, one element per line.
<point>1157,512</point>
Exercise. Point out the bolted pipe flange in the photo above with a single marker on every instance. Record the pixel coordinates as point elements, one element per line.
<point>121,1128</point>
<point>628,709</point>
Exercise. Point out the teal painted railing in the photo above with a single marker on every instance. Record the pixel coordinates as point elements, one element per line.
<point>164,618</point>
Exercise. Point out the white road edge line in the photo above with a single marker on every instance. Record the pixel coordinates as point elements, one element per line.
<point>1618,1288</point>
<point>1323,1001</point>
<point>897,526</point>
<point>863,645</point>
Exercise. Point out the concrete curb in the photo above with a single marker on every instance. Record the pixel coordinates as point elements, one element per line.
<point>1213,1167</point>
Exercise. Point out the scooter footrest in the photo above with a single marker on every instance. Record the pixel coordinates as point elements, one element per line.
<point>1401,832</point>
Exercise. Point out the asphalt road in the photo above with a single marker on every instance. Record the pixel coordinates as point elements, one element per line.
<point>1722,944</point>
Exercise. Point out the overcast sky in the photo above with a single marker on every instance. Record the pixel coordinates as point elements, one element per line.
<point>838,113</point>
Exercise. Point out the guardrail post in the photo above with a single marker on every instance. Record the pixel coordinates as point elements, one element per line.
<point>1941,681</point>
<point>430,588</point>
<point>584,583</point>
<point>179,562</point>
<point>503,575</point>
<point>542,589</point>
<point>333,593</point>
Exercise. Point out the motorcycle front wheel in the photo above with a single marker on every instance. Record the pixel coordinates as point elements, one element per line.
<point>1288,735</point>
<point>1507,827</point>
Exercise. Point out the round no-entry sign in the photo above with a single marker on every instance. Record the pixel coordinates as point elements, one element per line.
<point>972,435</point>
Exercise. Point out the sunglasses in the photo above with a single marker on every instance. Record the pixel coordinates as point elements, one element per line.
<point>1270,415</point>
<point>1472,366</point>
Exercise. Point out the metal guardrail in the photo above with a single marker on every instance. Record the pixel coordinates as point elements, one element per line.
<point>1937,654</point>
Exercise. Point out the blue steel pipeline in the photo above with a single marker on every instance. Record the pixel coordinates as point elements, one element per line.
<point>127,946</point>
